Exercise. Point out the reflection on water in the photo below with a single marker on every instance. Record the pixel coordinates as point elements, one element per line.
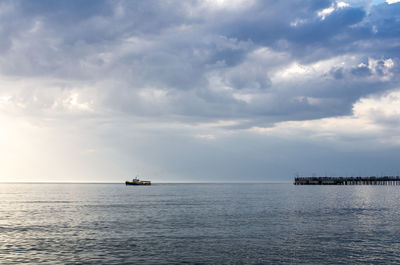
<point>199,223</point>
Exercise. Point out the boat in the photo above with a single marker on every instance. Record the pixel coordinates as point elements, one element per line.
<point>136,181</point>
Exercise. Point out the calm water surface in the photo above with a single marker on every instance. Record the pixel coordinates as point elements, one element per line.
<point>199,223</point>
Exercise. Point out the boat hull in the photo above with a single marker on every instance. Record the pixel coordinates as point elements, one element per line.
<point>131,183</point>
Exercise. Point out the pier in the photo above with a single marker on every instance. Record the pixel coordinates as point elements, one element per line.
<point>386,180</point>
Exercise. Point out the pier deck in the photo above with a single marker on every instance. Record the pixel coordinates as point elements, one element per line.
<point>386,180</point>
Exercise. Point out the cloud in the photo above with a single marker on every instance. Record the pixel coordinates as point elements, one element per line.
<point>174,65</point>
<point>126,49</point>
<point>374,123</point>
<point>392,1</point>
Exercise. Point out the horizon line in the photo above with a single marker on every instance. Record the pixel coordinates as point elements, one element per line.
<point>155,182</point>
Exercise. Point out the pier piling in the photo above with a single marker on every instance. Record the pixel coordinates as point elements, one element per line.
<point>372,180</point>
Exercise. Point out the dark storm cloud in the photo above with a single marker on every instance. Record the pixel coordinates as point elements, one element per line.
<point>361,71</point>
<point>337,73</point>
<point>191,60</point>
<point>269,24</point>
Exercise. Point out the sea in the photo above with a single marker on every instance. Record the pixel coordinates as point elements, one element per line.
<point>240,223</point>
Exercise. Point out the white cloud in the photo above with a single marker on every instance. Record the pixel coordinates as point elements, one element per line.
<point>392,1</point>
<point>375,121</point>
<point>73,102</point>
<point>153,96</point>
<point>329,10</point>
<point>326,12</point>
<point>298,22</point>
<point>228,4</point>
<point>384,110</point>
<point>206,136</point>
<point>342,4</point>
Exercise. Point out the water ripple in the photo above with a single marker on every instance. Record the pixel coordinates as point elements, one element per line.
<point>198,224</point>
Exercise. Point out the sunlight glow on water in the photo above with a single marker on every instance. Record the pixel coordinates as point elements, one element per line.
<point>199,223</point>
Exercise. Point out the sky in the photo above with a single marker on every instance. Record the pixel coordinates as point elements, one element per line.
<point>187,91</point>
